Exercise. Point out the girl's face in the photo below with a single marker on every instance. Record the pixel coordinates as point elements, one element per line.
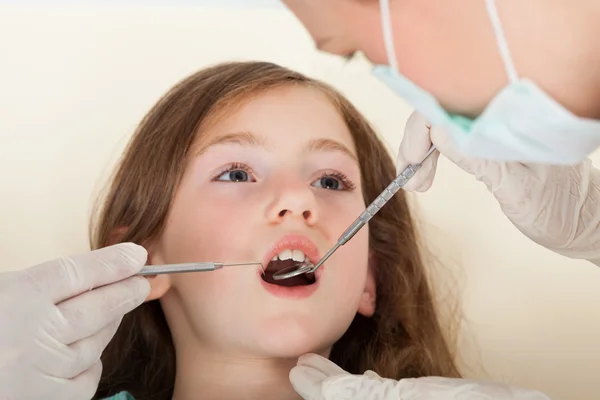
<point>275,178</point>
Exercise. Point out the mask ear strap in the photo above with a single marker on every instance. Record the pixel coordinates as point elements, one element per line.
<point>388,38</point>
<point>501,41</point>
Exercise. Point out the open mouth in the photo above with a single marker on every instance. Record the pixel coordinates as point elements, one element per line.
<point>287,259</point>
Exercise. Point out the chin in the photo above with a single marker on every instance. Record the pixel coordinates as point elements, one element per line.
<point>289,337</point>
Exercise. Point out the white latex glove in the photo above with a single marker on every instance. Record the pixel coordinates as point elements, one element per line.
<point>54,327</point>
<point>413,147</point>
<point>317,378</point>
<point>556,206</point>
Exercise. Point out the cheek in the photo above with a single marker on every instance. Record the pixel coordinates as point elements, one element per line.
<point>370,42</point>
<point>212,307</point>
<point>213,290</point>
<point>207,228</point>
<point>349,263</point>
<point>349,271</point>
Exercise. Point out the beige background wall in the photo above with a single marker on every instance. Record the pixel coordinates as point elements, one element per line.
<point>74,83</point>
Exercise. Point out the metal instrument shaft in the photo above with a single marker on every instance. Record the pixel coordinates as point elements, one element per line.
<point>188,267</point>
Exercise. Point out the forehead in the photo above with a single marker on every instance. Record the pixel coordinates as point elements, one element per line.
<point>284,117</point>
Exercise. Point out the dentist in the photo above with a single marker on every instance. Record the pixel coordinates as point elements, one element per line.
<point>509,92</point>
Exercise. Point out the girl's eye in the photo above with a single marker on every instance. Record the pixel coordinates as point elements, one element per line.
<point>235,176</point>
<point>335,181</point>
<point>235,173</point>
<point>328,183</point>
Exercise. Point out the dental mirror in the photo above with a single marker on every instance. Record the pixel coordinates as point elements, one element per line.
<point>295,270</point>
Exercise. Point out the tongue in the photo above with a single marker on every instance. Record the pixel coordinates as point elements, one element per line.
<point>300,280</point>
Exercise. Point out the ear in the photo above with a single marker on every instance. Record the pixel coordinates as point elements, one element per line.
<point>366,307</point>
<point>159,284</point>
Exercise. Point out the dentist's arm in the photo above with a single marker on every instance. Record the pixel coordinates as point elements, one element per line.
<point>57,318</point>
<point>557,207</point>
<point>317,378</point>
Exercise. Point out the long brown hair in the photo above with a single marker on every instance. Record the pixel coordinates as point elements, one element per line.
<point>403,338</point>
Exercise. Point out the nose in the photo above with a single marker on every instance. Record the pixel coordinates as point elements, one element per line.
<point>292,200</point>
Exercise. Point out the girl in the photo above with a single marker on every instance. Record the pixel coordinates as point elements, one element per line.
<point>251,162</point>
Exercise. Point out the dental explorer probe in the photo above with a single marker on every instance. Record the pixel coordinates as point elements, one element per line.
<point>189,267</point>
<point>372,209</point>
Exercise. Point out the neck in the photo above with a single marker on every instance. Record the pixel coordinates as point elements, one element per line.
<point>208,375</point>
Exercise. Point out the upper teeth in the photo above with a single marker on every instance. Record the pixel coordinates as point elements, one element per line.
<point>296,255</point>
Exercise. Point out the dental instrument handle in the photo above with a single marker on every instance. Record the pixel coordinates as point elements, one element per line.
<point>383,198</point>
<point>375,206</point>
<point>187,267</point>
<point>179,268</point>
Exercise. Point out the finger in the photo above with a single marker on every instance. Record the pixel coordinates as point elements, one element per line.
<point>309,373</point>
<point>372,374</point>
<point>66,277</point>
<point>415,142</point>
<point>366,386</point>
<point>80,356</point>
<point>88,313</point>
<point>427,171</point>
<point>307,381</point>
<point>321,364</point>
<point>85,385</point>
<point>413,148</point>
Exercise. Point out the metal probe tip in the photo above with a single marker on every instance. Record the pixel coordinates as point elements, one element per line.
<point>262,268</point>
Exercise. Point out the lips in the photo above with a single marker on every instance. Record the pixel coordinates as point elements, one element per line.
<point>286,252</point>
<point>293,242</point>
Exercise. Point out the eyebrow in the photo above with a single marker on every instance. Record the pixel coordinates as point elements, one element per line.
<point>240,138</point>
<point>251,140</point>
<point>329,145</point>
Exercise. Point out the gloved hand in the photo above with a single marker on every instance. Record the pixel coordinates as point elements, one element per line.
<point>556,206</point>
<point>317,378</point>
<point>57,318</point>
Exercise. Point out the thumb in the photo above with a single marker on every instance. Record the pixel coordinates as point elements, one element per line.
<point>311,371</point>
<point>413,147</point>
<point>307,382</point>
